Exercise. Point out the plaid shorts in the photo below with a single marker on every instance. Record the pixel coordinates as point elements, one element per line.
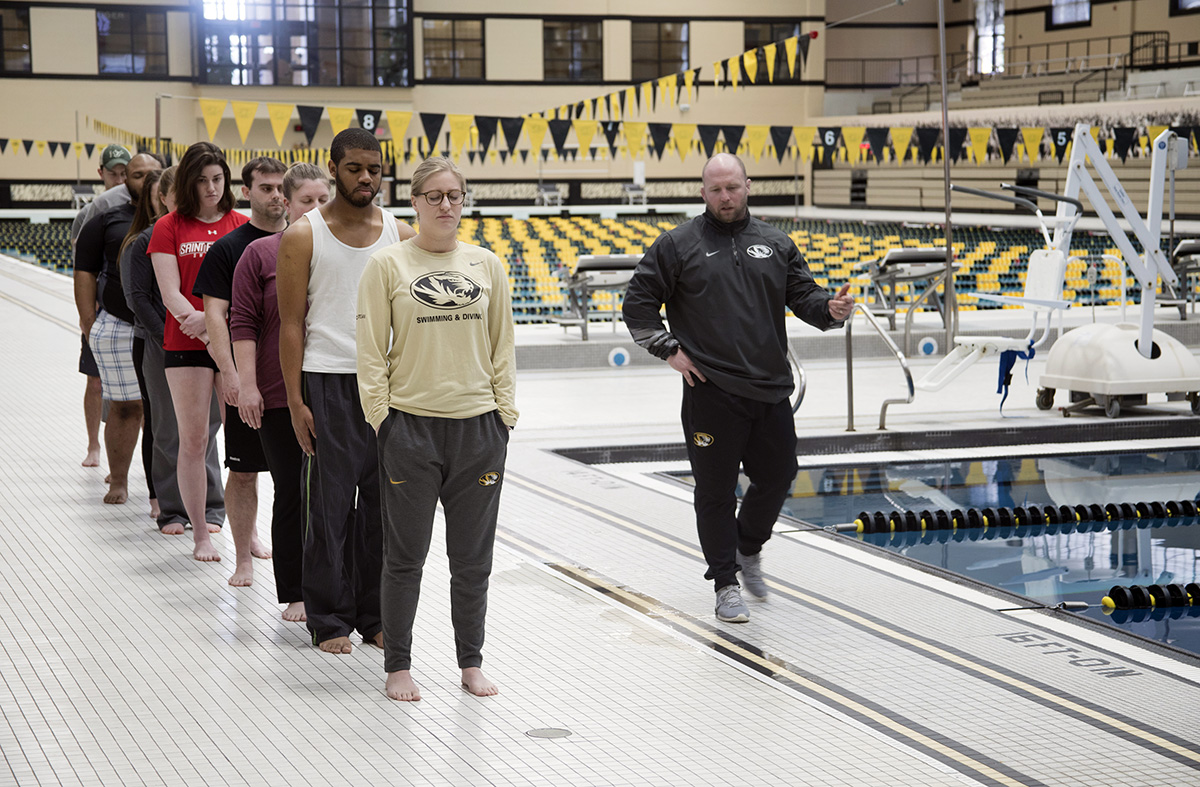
<point>111,341</point>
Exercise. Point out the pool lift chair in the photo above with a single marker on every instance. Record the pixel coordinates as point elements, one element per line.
<point>1111,365</point>
<point>1042,297</point>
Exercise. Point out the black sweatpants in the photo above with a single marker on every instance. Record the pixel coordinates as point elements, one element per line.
<point>460,462</point>
<point>139,351</point>
<point>285,461</point>
<point>723,433</point>
<point>343,531</point>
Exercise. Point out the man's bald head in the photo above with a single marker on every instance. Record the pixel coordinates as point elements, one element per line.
<point>724,161</point>
<point>725,187</point>
<point>136,171</point>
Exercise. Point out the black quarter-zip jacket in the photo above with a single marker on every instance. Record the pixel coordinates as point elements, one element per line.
<point>727,287</point>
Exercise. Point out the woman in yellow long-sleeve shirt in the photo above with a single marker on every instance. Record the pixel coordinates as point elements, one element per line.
<point>437,379</point>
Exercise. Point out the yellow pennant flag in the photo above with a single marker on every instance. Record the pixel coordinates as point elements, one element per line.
<point>750,60</point>
<point>78,150</point>
<point>804,138</point>
<point>790,47</point>
<point>689,77</point>
<point>682,133</point>
<point>41,147</point>
<point>1033,141</point>
<point>647,95</point>
<point>585,130</point>
<point>212,109</point>
<point>901,138</point>
<point>281,116</point>
<point>756,137</point>
<point>1155,131</point>
<point>630,101</point>
<point>339,118</point>
<point>769,52</point>
<point>243,116</point>
<point>614,107</point>
<point>635,137</point>
<point>853,136</point>
<point>667,87</point>
<point>460,132</point>
<point>979,142</point>
<point>735,72</point>
<point>717,73</point>
<point>535,127</point>
<point>398,123</point>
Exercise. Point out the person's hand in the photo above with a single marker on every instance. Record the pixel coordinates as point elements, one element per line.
<point>193,325</point>
<point>86,323</point>
<point>228,387</point>
<point>303,425</point>
<point>250,406</point>
<point>681,363</point>
<point>841,304</point>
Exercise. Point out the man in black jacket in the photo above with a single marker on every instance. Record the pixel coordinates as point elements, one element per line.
<point>727,280</point>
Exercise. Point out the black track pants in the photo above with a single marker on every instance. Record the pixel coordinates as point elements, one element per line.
<point>285,460</point>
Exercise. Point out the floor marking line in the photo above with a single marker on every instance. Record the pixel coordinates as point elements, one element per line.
<point>44,315</point>
<point>772,669</point>
<point>27,283</point>
<point>1124,728</point>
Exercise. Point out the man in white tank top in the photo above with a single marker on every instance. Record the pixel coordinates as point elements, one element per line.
<point>321,259</point>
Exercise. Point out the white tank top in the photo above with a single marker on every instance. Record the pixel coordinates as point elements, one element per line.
<point>333,274</point>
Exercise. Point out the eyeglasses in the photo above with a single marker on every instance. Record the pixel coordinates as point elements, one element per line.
<point>435,197</point>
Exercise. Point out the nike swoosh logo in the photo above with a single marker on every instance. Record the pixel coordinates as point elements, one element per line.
<point>397,482</point>
<point>711,253</point>
<point>478,262</point>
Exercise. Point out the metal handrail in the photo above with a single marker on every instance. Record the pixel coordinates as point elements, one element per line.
<point>916,89</point>
<point>874,323</point>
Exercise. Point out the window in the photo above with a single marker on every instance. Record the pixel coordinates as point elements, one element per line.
<point>989,27</point>
<point>453,48</point>
<point>659,49</point>
<point>762,33</point>
<point>14,38</point>
<point>573,51</point>
<point>132,41</point>
<point>308,42</point>
<point>1185,7</point>
<point>1069,13</point>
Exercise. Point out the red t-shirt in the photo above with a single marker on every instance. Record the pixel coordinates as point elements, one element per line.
<point>188,240</point>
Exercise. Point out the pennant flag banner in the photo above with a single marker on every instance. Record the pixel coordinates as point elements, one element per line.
<point>280,116</point>
<point>756,138</point>
<point>460,132</point>
<point>559,129</point>
<point>1006,138</point>
<point>611,129</point>
<point>512,132</point>
<point>853,135</point>
<point>1123,141</point>
<point>979,143</point>
<point>535,129</point>
<point>926,140</point>
<point>486,126</point>
<point>585,131</point>
<point>1060,138</point>
<point>310,118</point>
<point>780,136</point>
<point>877,140</point>
<point>769,53</point>
<point>243,117</point>
<point>211,109</point>
<point>339,118</point>
<point>682,134</point>
<point>828,140</point>
<point>958,135</point>
<point>398,123</point>
<point>804,141</point>
<point>659,134</point>
<point>708,139</point>
<point>733,137</point>
<point>368,119</point>
<point>1032,139</point>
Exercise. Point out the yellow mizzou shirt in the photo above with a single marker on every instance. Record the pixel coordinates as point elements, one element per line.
<point>435,334</point>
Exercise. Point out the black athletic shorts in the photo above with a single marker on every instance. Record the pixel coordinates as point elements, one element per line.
<point>243,448</point>
<point>176,359</point>
<point>87,361</point>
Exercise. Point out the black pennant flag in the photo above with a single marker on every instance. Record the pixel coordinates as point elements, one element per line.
<point>487,131</point>
<point>958,135</point>
<point>471,156</point>
<point>503,156</point>
<point>432,123</point>
<point>1123,140</point>
<point>611,128</point>
<point>558,132</point>
<point>579,110</point>
<point>4,144</point>
<point>53,149</point>
<point>828,137</point>
<point>524,155</point>
<point>88,147</point>
<point>659,134</point>
<point>368,119</point>
<point>1184,133</point>
<point>696,81</point>
<point>733,137</point>
<point>28,144</point>
<point>877,139</point>
<point>779,138</point>
<point>309,118</point>
<point>1007,138</point>
<point>805,40</point>
<point>1059,137</point>
<point>595,106</point>
<point>621,101</point>
<point>512,132</point>
<point>708,138</point>
<point>926,138</point>
<point>592,153</point>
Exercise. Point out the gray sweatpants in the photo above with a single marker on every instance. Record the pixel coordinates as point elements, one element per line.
<point>166,447</point>
<point>461,462</point>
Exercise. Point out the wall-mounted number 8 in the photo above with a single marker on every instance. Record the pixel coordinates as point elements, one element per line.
<point>368,122</point>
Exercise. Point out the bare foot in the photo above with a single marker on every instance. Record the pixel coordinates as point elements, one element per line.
<point>92,459</point>
<point>154,509</point>
<point>243,575</point>
<point>294,612</point>
<point>173,529</point>
<point>376,640</point>
<point>214,528</point>
<point>259,551</point>
<point>400,687</point>
<point>117,494</point>
<point>474,682</point>
<point>205,552</point>
<point>339,646</point>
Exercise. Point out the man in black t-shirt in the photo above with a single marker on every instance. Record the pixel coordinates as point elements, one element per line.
<point>110,329</point>
<point>262,185</point>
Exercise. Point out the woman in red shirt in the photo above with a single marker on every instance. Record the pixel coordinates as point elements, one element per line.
<point>203,214</point>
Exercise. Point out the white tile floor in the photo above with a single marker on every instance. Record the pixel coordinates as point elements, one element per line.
<point>122,661</point>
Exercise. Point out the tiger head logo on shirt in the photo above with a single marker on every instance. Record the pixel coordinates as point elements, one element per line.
<point>445,290</point>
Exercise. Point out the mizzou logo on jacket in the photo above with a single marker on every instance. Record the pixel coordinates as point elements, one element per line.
<point>702,439</point>
<point>759,251</point>
<point>489,479</point>
<point>445,290</point>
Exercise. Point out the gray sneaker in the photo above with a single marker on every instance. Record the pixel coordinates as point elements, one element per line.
<point>730,607</point>
<point>752,578</point>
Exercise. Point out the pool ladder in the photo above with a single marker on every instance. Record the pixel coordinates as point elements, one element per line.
<point>874,323</point>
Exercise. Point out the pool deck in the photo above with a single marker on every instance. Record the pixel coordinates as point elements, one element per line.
<point>126,662</point>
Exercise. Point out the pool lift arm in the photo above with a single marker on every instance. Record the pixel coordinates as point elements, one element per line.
<point>1107,364</point>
